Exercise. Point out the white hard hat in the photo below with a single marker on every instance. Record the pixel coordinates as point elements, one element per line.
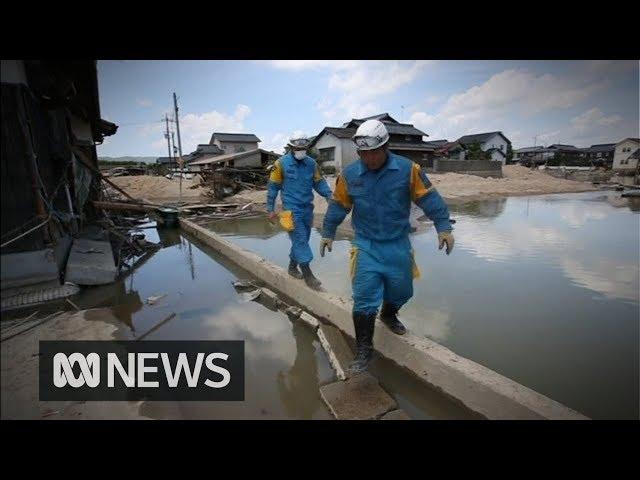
<point>299,142</point>
<point>370,135</point>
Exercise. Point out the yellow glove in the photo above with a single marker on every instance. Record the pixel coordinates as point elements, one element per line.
<point>325,243</point>
<point>446,237</point>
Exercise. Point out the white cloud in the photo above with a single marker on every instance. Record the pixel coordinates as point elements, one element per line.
<point>593,119</point>
<point>144,102</point>
<point>275,142</point>
<point>299,65</point>
<point>514,92</point>
<point>197,128</point>
<point>355,86</point>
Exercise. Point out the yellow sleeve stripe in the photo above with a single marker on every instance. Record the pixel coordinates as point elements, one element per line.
<point>276,173</point>
<point>340,194</point>
<point>418,188</point>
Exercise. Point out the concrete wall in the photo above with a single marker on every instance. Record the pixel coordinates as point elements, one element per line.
<point>482,168</point>
<point>477,387</point>
<point>623,151</point>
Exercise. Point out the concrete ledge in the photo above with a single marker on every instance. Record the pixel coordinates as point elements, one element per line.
<point>359,398</point>
<point>480,389</point>
<point>337,350</point>
<point>396,415</point>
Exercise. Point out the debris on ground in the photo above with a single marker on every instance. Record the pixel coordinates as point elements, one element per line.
<point>226,181</point>
<point>153,299</point>
<point>221,211</point>
<point>244,285</point>
<point>250,296</point>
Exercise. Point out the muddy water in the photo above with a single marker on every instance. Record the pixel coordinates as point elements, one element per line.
<point>284,362</point>
<point>544,290</point>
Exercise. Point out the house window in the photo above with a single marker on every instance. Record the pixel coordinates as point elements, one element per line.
<point>326,154</point>
<point>240,148</point>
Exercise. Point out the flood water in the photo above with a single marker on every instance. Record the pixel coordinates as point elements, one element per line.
<point>284,362</point>
<point>543,289</point>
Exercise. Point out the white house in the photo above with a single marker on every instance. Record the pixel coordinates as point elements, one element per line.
<point>234,142</point>
<point>493,142</point>
<point>624,158</point>
<point>335,147</point>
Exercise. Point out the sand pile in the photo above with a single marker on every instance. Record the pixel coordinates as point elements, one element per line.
<point>457,188</point>
<point>155,188</point>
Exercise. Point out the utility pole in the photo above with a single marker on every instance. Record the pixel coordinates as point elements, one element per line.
<point>166,135</point>
<point>175,107</point>
<point>179,161</point>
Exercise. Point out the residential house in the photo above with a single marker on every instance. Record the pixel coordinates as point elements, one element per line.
<point>51,124</point>
<point>450,150</point>
<point>533,155</point>
<point>494,143</point>
<point>600,154</point>
<point>234,142</point>
<point>253,158</point>
<point>625,158</point>
<point>336,148</point>
<point>560,149</point>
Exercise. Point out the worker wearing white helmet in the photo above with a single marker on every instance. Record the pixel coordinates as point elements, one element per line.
<point>296,175</point>
<point>379,187</point>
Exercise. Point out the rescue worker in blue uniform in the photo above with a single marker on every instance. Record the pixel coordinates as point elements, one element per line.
<point>379,188</point>
<point>296,175</point>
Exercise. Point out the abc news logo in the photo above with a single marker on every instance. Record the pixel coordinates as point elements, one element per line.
<point>153,370</point>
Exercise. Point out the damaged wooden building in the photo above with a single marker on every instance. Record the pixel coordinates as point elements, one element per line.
<point>51,125</point>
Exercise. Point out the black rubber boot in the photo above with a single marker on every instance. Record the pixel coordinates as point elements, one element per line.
<point>293,269</point>
<point>388,316</point>
<point>364,326</point>
<point>309,279</point>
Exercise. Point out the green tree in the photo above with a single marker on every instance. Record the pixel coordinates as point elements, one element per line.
<point>509,153</point>
<point>475,152</point>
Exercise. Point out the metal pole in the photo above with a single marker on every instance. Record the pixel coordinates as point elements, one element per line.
<point>166,135</point>
<point>175,106</point>
<point>179,162</point>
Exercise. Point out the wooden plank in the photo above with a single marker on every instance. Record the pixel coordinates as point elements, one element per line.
<point>123,206</point>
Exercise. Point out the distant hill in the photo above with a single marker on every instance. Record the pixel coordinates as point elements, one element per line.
<point>128,159</point>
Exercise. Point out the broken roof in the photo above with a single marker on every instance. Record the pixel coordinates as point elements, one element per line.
<point>230,156</point>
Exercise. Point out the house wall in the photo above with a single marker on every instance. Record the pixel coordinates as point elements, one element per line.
<point>620,155</point>
<point>496,142</point>
<point>349,152</point>
<point>231,147</point>
<point>328,141</point>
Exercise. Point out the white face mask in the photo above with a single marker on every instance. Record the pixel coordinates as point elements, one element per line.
<point>300,154</point>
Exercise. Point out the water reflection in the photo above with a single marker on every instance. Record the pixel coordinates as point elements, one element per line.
<point>486,208</point>
<point>544,289</point>
<point>298,386</point>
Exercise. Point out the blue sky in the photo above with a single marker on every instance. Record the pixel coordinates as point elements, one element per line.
<point>575,102</point>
